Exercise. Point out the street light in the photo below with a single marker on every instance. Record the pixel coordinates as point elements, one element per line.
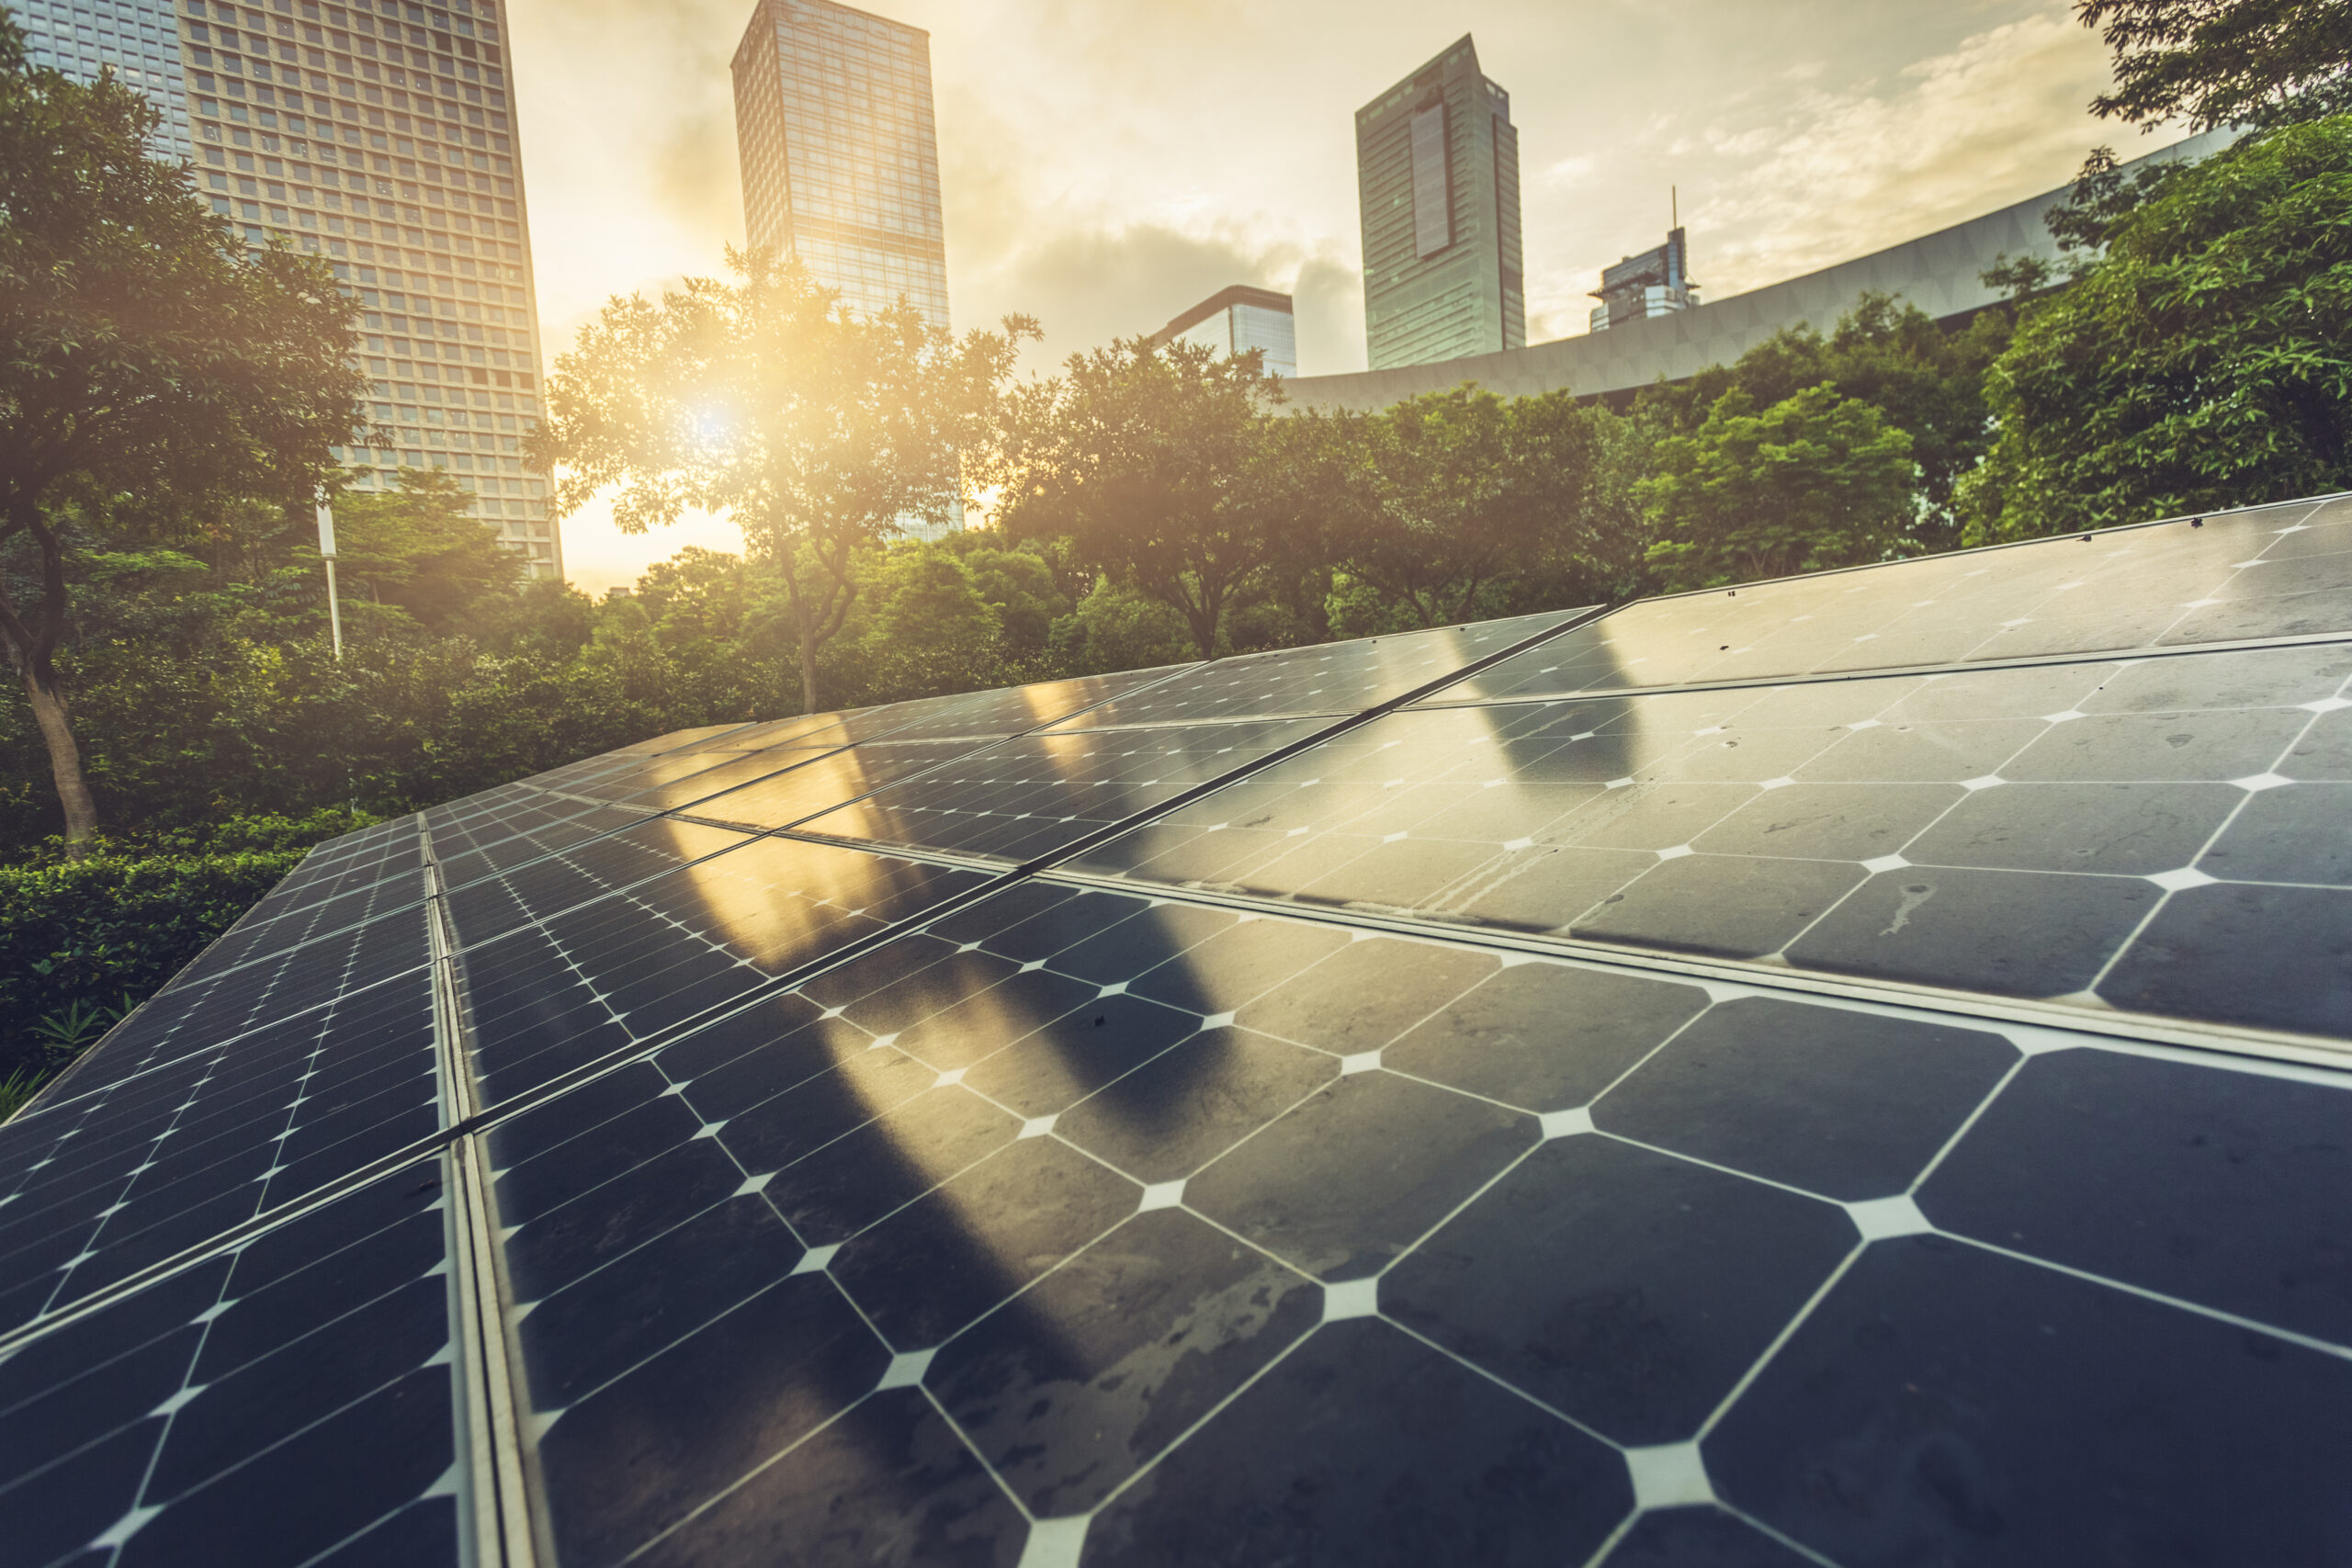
<point>326,552</point>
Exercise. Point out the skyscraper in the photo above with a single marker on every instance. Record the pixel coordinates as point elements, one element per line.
<point>1236,320</point>
<point>1655,283</point>
<point>840,158</point>
<point>379,135</point>
<point>1437,177</point>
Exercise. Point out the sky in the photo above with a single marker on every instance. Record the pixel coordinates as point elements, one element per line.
<point>1105,165</point>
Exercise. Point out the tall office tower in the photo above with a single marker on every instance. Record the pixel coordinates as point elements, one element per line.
<point>381,135</point>
<point>1655,283</point>
<point>840,159</point>
<point>1437,176</point>
<point>1236,320</point>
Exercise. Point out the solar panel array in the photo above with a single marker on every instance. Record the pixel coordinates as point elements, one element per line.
<point>1846,1071</point>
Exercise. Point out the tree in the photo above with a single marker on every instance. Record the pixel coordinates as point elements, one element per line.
<point>1442,498</point>
<point>815,428</point>
<point>2262,62</point>
<point>418,550</point>
<point>1816,481</point>
<point>140,347</point>
<point>1154,462</point>
<point>1893,355</point>
<point>2203,363</point>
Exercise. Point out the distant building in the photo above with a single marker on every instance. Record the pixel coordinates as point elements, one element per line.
<point>839,154</point>
<point>394,161</point>
<point>1236,320</point>
<point>1655,283</point>
<point>1437,178</point>
<point>1942,273</point>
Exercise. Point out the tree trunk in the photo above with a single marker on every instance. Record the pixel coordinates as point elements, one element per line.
<point>808,657</point>
<point>29,652</point>
<point>64,762</point>
<point>804,623</point>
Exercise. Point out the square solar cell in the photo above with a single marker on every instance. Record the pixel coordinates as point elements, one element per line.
<point>1328,678</point>
<point>780,799</point>
<point>2094,832</point>
<point>2268,573</point>
<point>110,1180</point>
<point>287,1402</point>
<point>732,770</point>
<point>1037,794</point>
<point>553,996</point>
<point>1285,1205</point>
<point>581,875</point>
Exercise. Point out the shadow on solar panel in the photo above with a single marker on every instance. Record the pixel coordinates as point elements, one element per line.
<point>1848,1071</point>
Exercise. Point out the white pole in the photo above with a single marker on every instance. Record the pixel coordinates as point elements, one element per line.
<point>326,551</point>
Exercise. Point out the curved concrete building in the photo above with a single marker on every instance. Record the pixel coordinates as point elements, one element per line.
<point>1937,272</point>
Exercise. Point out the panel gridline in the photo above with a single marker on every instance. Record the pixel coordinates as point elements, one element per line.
<point>1127,1227</point>
<point>1199,1232</point>
<point>2271,571</point>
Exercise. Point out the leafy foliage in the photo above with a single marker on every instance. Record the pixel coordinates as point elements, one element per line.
<point>815,428</point>
<point>2202,362</point>
<point>2264,62</point>
<point>142,348</point>
<point>1818,479</point>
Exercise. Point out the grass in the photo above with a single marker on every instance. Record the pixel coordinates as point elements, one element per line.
<point>19,1087</point>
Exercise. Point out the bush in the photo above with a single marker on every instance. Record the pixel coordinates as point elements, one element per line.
<point>82,942</point>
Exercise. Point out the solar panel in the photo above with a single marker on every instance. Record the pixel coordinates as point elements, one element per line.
<point>287,1401</point>
<point>2271,571</point>
<point>2094,832</point>
<point>1330,678</point>
<point>1867,1090</point>
<point>1028,796</point>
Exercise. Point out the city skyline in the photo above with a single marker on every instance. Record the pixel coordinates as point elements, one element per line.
<point>380,137</point>
<point>1154,157</point>
<point>1799,138</point>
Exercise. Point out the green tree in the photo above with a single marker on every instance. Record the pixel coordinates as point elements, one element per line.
<point>1815,480</point>
<point>418,550</point>
<point>141,347</point>
<point>1154,463</point>
<point>2206,361</point>
<point>2264,62</point>
<point>1442,498</point>
<point>1925,379</point>
<point>815,428</point>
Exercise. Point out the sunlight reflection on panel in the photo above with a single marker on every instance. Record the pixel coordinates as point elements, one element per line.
<point>2170,585</point>
<point>1333,678</point>
<point>1035,794</point>
<point>784,798</point>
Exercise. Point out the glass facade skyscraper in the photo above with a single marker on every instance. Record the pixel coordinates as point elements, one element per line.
<point>382,136</point>
<point>1437,178</point>
<point>839,154</point>
<point>1236,320</point>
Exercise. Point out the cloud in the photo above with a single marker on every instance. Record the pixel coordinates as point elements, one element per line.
<point>1839,174</point>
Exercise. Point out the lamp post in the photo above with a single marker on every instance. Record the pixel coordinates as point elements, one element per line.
<point>326,552</point>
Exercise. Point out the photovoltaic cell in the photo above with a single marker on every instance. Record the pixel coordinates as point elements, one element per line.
<point>1331,678</point>
<point>1651,1104</point>
<point>285,1403</point>
<point>581,875</point>
<point>782,799</point>
<point>1090,1170</point>
<point>205,1005</point>
<point>106,1180</point>
<point>552,996</point>
<point>2276,571</point>
<point>2102,832</point>
<point>1035,793</point>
